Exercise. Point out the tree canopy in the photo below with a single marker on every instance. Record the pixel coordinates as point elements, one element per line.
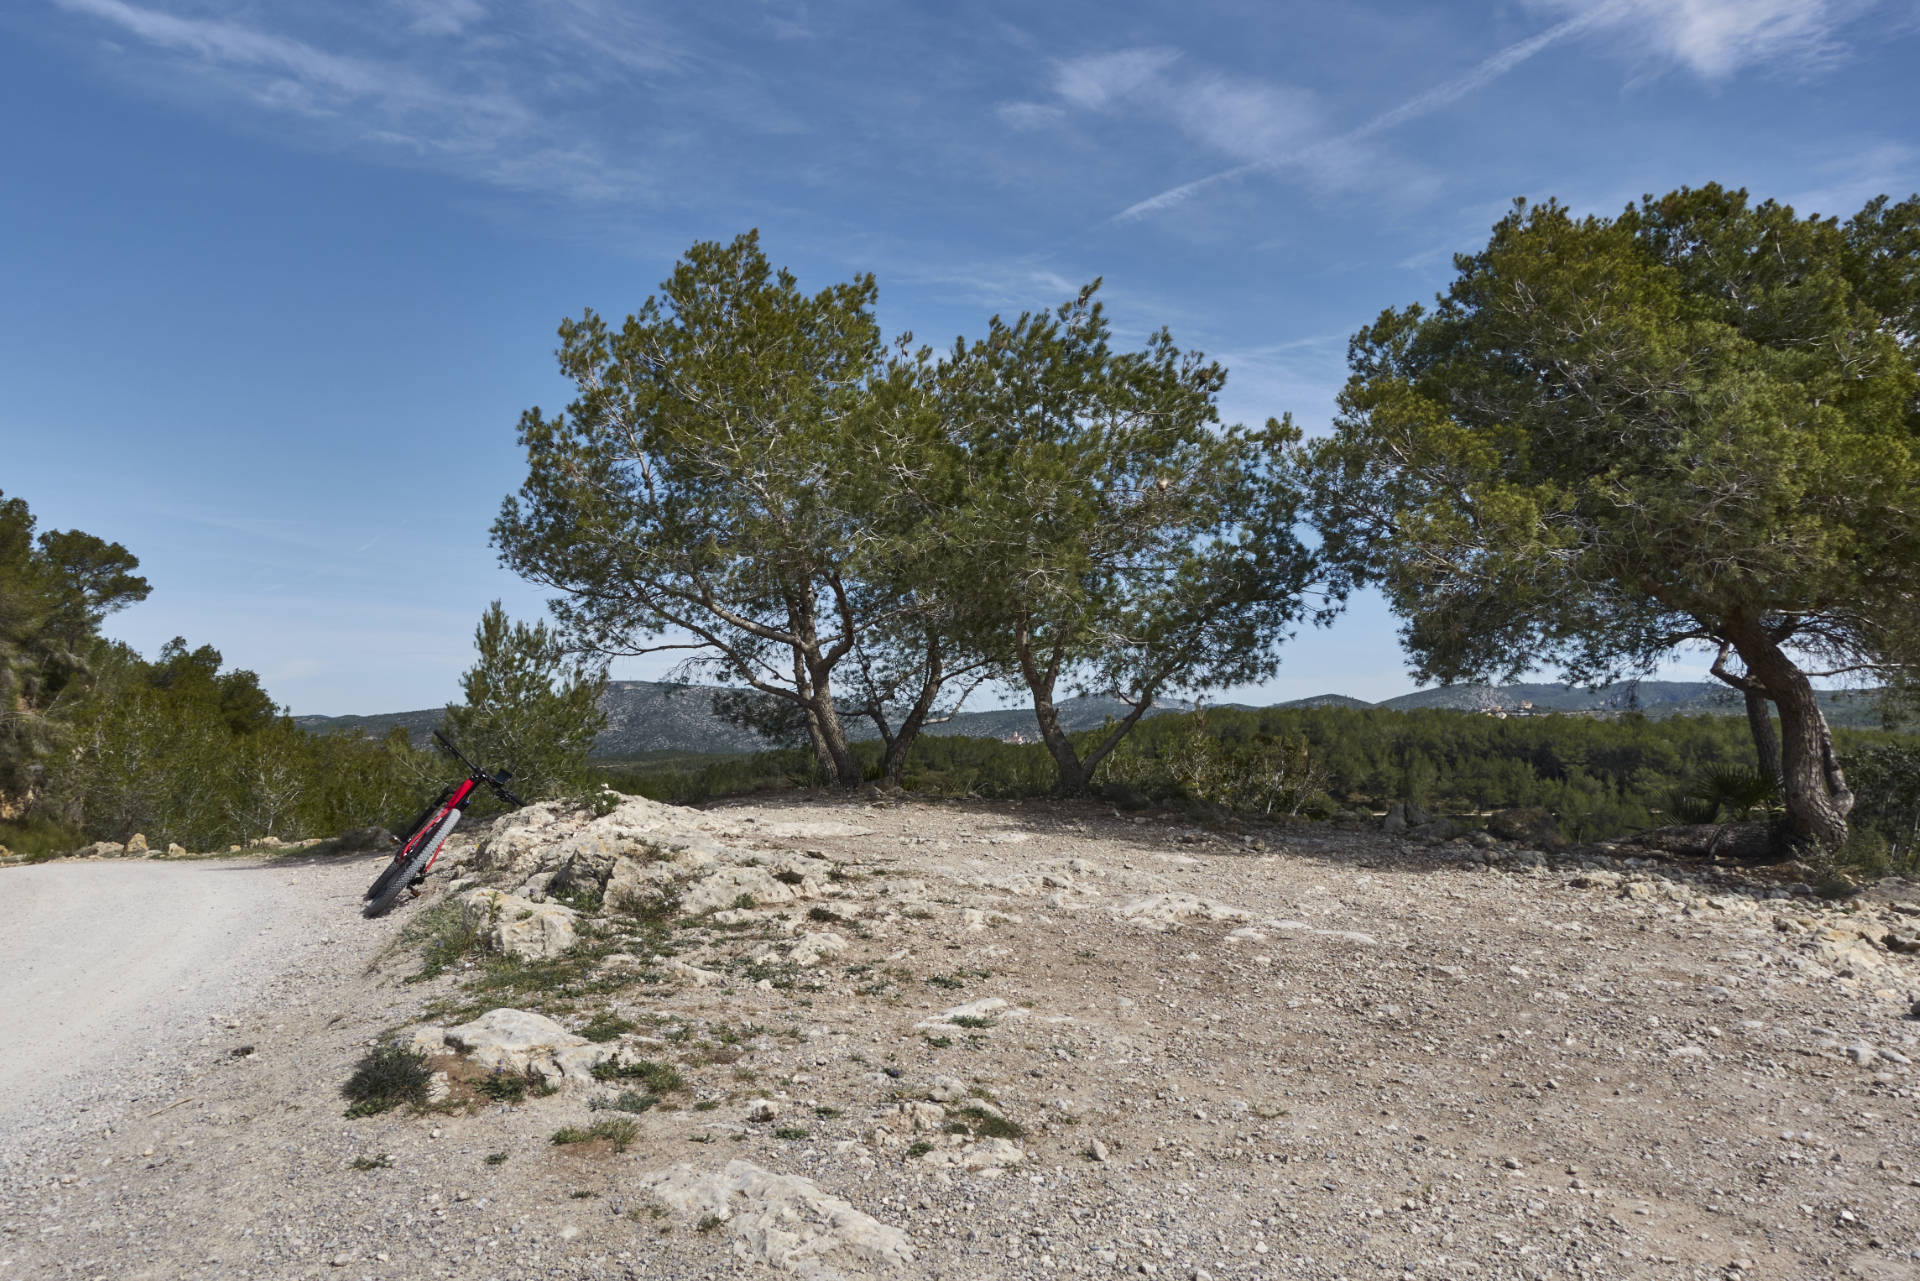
<point>1695,423</point>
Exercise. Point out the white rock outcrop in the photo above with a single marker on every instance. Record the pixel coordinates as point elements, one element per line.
<point>781,1220</point>
<point>527,1044</point>
<point>519,926</point>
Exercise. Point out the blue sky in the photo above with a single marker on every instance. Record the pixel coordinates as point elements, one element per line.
<point>277,278</point>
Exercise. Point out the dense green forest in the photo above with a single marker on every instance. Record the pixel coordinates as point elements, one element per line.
<point>100,743</point>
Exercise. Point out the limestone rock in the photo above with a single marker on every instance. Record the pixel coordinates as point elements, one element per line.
<point>991,1008</point>
<point>914,1117</point>
<point>781,1220</point>
<point>638,885</point>
<point>101,849</point>
<point>947,1089</point>
<point>1160,911</point>
<point>815,948</point>
<point>175,849</point>
<point>137,844</point>
<point>980,1154</point>
<point>428,1041</point>
<point>762,1110</point>
<point>517,1041</point>
<point>520,927</point>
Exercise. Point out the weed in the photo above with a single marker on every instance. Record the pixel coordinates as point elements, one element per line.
<point>496,1158</point>
<point>826,1113</point>
<point>920,1147</point>
<point>606,1026</point>
<point>625,1101</point>
<point>824,914</point>
<point>744,903</point>
<point>790,1132</point>
<point>746,1074</point>
<point>943,980</point>
<point>379,1161</point>
<point>582,1194</point>
<point>789,877</point>
<point>442,932</point>
<point>388,1076</point>
<point>985,1123</point>
<point>503,1087</point>
<point>661,1078</point>
<point>619,1132</point>
<point>706,1105</point>
<point>708,1222</point>
<point>972,1021</point>
<point>940,1042</point>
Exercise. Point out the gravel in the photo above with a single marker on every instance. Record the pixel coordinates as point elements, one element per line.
<point>1317,1054</point>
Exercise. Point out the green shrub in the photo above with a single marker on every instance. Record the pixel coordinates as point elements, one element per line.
<point>387,1076</point>
<point>618,1131</point>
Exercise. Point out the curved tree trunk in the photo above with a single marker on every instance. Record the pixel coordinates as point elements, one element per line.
<point>1766,744</point>
<point>1818,800</point>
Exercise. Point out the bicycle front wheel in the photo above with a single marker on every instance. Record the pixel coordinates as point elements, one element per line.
<point>386,891</point>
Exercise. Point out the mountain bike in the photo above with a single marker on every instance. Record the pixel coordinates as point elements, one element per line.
<point>421,845</point>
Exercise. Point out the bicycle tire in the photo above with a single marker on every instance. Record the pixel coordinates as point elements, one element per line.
<point>393,882</point>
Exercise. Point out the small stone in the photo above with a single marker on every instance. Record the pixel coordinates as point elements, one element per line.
<point>342,1260</point>
<point>1097,1150</point>
<point>1511,1163</point>
<point>762,1110</point>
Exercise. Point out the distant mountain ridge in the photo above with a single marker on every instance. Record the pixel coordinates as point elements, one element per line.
<point>649,716</point>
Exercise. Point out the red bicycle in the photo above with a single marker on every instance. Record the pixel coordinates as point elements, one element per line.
<point>421,845</point>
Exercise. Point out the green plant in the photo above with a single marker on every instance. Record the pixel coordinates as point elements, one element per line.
<point>940,1042</point>
<point>496,1158</point>
<point>503,1087</point>
<point>606,1026</point>
<point>625,1101</point>
<point>919,1147</point>
<point>943,980</point>
<point>387,1076</point>
<point>661,1078</point>
<point>620,1132</point>
<point>708,1222</point>
<point>986,1123</point>
<point>826,1113</point>
<point>378,1161</point>
<point>972,1020</point>
<point>790,1132</point>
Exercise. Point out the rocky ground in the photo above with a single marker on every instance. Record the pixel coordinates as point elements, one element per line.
<point>902,1039</point>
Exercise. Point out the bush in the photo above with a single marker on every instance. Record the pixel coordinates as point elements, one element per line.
<point>386,1077</point>
<point>618,1131</point>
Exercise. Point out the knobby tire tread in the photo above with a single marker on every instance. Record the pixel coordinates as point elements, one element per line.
<point>386,892</point>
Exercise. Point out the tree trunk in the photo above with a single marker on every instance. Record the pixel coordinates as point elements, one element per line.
<point>1073,775</point>
<point>1817,797</point>
<point>845,770</point>
<point>1766,744</point>
<point>894,764</point>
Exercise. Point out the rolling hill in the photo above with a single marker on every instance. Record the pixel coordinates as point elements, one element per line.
<point>648,716</point>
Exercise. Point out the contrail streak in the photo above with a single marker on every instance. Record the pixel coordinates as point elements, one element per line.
<point>1452,91</point>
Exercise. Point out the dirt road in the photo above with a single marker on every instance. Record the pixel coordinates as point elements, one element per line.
<point>111,971</point>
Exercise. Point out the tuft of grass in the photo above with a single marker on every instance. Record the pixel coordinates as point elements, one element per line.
<point>972,1021</point>
<point>618,1131</point>
<point>661,1078</point>
<point>378,1161</point>
<point>826,915</point>
<point>827,1113</point>
<point>496,1158</point>
<point>582,1194</point>
<point>940,1042</point>
<point>744,903</point>
<point>985,1123</point>
<point>625,1101</point>
<point>443,938</point>
<point>386,1077</point>
<point>708,1222</point>
<point>606,1026</point>
<point>793,1132</point>
<point>944,980</point>
<point>919,1147</point>
<point>503,1087</point>
<point>706,1105</point>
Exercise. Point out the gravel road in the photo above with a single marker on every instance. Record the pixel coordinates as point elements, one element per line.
<point>113,972</point>
<point>1293,1054</point>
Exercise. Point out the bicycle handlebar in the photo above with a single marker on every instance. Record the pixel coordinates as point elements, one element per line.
<point>498,782</point>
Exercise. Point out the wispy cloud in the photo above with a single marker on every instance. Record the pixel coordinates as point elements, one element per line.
<point>438,83</point>
<point>1333,153</point>
<point>1717,38</point>
<point>1714,38</point>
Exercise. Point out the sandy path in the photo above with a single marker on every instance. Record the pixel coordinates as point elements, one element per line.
<point>111,971</point>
